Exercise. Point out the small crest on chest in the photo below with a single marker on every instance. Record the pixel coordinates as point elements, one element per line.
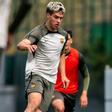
<point>62,40</point>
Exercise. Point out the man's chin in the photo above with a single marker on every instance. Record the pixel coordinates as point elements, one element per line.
<point>57,26</point>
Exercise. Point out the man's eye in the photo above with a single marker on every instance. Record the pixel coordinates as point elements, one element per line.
<point>56,17</point>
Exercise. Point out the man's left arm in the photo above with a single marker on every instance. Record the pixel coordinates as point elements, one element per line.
<point>62,71</point>
<point>86,80</point>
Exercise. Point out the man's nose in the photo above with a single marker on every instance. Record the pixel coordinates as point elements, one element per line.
<point>59,20</point>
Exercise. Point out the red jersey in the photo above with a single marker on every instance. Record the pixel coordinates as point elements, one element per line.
<point>72,69</point>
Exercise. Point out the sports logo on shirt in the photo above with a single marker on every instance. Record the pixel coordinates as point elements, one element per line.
<point>62,40</point>
<point>33,85</point>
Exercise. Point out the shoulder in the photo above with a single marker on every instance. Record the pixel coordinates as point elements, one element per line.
<point>62,31</point>
<point>78,55</point>
<point>36,30</point>
<point>74,51</point>
<point>39,30</point>
<point>77,51</point>
<point>81,57</point>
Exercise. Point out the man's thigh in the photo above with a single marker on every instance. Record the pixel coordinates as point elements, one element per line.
<point>40,85</point>
<point>34,84</point>
<point>46,96</point>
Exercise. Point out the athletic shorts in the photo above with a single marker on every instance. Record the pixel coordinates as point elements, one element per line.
<point>36,83</point>
<point>69,100</point>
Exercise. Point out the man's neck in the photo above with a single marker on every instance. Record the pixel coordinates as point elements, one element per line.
<point>49,28</point>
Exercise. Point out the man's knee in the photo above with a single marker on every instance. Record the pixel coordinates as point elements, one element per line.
<point>58,105</point>
<point>35,98</point>
<point>61,108</point>
<point>38,110</point>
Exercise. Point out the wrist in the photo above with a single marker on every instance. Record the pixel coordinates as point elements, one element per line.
<point>84,92</point>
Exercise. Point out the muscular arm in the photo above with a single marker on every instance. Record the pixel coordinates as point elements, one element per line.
<point>28,43</point>
<point>25,44</point>
<point>84,72</point>
<point>62,71</point>
<point>86,79</point>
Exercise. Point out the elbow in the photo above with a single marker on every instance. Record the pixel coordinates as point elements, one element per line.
<point>18,47</point>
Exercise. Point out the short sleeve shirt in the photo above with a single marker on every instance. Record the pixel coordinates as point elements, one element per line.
<point>46,59</point>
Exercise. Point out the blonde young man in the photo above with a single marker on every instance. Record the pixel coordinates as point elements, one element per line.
<point>45,44</point>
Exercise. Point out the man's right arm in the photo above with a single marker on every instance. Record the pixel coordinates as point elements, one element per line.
<point>30,41</point>
<point>26,44</point>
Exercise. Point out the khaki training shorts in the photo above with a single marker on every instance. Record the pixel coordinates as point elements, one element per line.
<point>36,83</point>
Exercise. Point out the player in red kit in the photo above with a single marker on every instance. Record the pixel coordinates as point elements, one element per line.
<point>64,98</point>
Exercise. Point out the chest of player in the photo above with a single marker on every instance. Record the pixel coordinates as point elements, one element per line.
<point>52,41</point>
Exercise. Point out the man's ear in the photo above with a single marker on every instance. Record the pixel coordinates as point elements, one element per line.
<point>48,15</point>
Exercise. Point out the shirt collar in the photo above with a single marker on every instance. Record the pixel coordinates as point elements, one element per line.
<point>45,29</point>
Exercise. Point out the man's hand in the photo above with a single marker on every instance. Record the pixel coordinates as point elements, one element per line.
<point>26,45</point>
<point>31,48</point>
<point>84,99</point>
<point>65,81</point>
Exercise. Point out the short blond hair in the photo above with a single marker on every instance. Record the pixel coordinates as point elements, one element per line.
<point>55,7</point>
